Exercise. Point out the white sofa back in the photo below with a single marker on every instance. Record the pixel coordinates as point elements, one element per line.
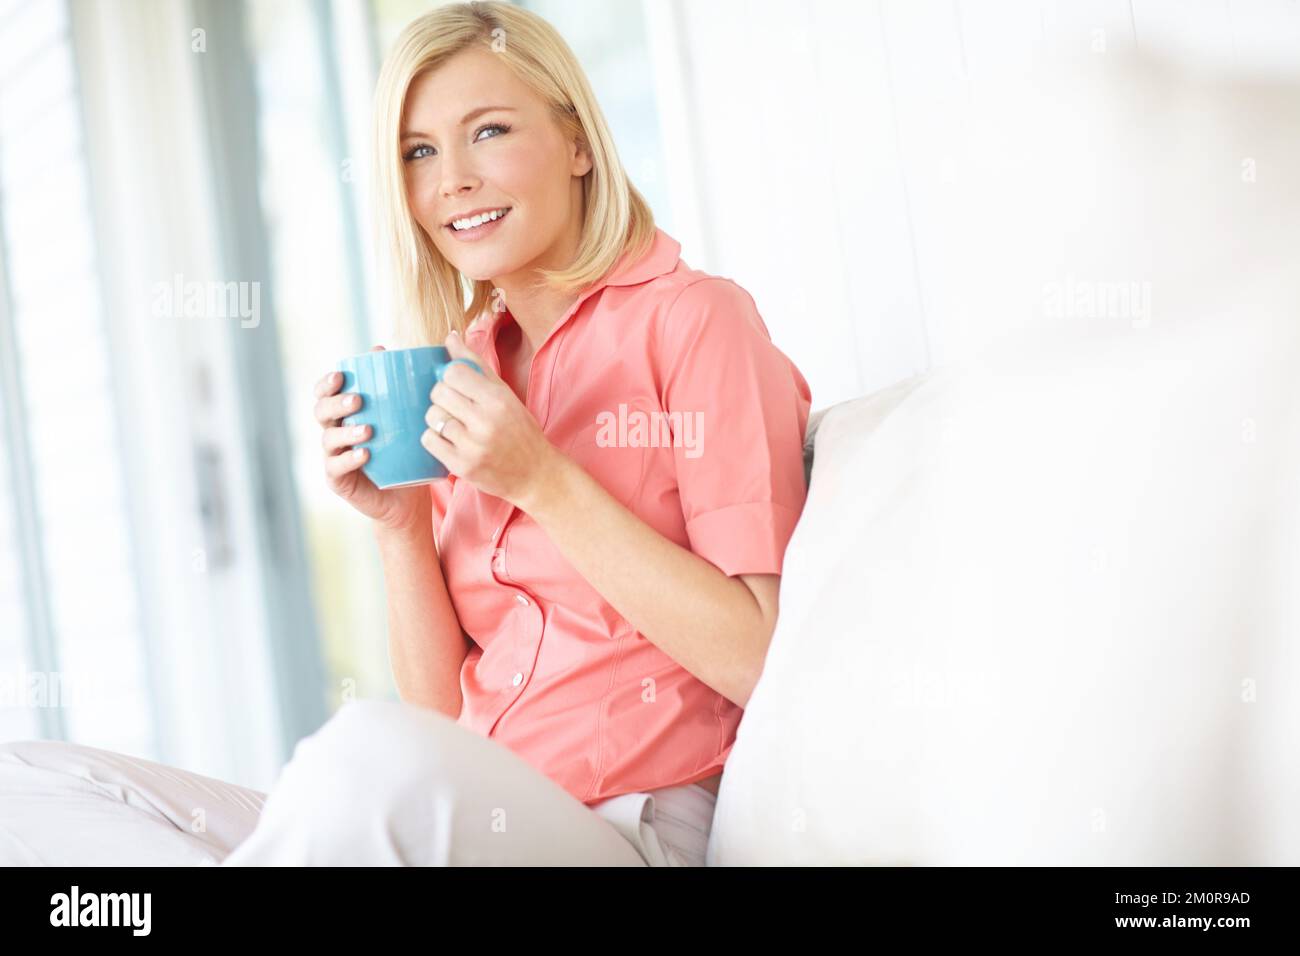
<point>1041,606</point>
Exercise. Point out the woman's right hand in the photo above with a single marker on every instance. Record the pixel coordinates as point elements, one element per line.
<point>392,508</point>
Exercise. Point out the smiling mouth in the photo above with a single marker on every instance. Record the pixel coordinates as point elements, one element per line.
<point>472,229</point>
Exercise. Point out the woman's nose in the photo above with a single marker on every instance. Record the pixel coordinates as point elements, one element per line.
<point>457,174</point>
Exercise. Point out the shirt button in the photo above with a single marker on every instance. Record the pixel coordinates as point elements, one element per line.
<point>498,559</point>
<point>521,599</point>
<point>517,679</point>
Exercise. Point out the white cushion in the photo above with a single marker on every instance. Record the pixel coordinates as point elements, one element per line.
<point>1039,617</point>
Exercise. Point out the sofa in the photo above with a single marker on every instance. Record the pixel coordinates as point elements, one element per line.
<point>1041,605</point>
<point>1039,612</point>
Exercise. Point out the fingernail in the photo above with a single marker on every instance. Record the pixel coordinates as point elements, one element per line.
<point>358,453</point>
<point>358,431</point>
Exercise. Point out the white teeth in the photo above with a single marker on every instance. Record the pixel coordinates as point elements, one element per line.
<point>472,221</point>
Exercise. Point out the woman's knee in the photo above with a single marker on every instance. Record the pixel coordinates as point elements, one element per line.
<point>370,745</point>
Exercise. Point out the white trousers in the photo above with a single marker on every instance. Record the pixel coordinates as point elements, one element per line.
<point>382,783</point>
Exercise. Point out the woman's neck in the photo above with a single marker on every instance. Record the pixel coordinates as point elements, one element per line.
<point>535,306</point>
<point>535,311</point>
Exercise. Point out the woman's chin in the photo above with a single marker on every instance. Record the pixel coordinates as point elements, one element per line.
<point>485,268</point>
<point>472,268</point>
<point>484,260</point>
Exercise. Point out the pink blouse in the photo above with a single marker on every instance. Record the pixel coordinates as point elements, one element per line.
<point>663,383</point>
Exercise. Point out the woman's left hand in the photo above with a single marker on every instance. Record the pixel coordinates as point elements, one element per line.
<point>491,438</point>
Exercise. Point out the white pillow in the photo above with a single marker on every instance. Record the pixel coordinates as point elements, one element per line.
<point>1040,613</point>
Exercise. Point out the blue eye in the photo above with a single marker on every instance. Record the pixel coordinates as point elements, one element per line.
<point>501,126</point>
<point>414,151</point>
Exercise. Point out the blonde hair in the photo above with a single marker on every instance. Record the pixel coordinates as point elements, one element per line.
<point>616,219</point>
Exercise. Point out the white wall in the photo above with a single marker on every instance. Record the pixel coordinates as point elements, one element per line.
<point>811,148</point>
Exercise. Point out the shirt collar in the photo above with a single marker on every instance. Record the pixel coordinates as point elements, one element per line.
<point>660,259</point>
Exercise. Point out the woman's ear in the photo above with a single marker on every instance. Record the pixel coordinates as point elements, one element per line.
<point>581,159</point>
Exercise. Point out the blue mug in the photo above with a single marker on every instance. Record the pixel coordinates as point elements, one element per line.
<point>394,387</point>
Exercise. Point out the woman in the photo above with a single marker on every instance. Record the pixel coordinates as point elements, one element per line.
<point>579,612</point>
<point>598,608</point>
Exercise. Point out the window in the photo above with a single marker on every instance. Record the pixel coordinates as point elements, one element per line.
<point>68,601</point>
<point>308,69</point>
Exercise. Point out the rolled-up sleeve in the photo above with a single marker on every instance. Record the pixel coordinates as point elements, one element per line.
<point>743,407</point>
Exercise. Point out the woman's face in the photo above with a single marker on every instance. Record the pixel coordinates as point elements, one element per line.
<point>461,158</point>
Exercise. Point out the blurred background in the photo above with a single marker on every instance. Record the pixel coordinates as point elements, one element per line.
<point>186,248</point>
